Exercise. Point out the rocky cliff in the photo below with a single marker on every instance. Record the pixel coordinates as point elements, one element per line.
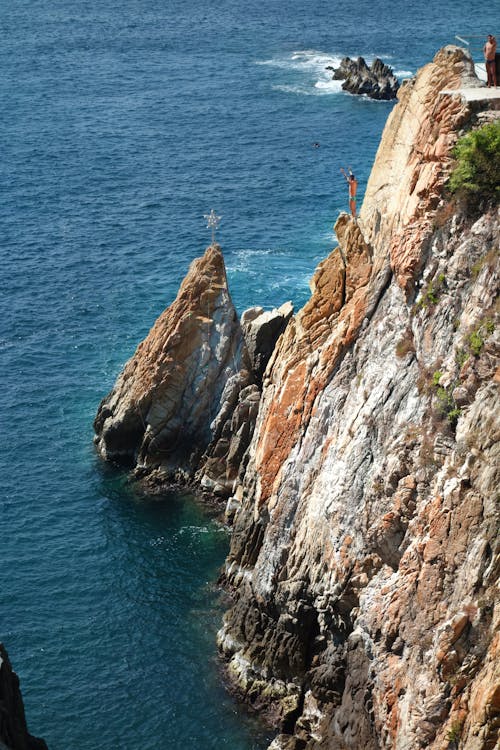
<point>364,557</point>
<point>361,453</point>
<point>185,404</point>
<point>14,733</point>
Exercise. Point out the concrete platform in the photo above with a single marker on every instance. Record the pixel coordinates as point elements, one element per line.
<point>476,94</point>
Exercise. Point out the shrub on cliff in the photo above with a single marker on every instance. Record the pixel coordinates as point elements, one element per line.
<point>476,176</point>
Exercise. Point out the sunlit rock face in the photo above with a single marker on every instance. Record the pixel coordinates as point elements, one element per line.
<point>364,557</point>
<point>160,411</point>
<point>411,165</point>
<point>184,406</point>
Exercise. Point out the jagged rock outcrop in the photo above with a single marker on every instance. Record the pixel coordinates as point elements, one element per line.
<point>234,425</point>
<point>364,559</point>
<point>185,404</point>
<point>361,452</point>
<point>262,330</point>
<point>160,411</point>
<point>377,81</point>
<point>14,733</point>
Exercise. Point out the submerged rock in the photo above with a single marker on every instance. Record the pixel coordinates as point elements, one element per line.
<point>14,733</point>
<point>377,81</point>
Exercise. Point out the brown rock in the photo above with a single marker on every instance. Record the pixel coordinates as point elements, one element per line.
<point>161,408</point>
<point>363,562</point>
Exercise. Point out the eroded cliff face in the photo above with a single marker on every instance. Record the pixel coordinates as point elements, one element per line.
<point>184,406</point>
<point>160,410</point>
<point>364,558</point>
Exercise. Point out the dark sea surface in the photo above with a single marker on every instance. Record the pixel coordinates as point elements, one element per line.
<point>122,123</point>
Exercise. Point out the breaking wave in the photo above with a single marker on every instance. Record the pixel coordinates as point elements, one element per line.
<point>311,75</point>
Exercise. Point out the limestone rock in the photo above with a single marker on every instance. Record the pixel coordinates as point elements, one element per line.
<point>413,162</point>
<point>233,430</point>
<point>192,363</point>
<point>13,728</point>
<point>377,81</point>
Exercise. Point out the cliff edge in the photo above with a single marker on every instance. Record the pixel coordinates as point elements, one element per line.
<point>359,445</point>
<point>364,558</point>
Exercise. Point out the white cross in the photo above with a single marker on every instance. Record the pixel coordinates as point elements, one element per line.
<point>212,223</point>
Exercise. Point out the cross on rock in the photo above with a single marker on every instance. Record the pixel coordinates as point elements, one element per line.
<point>213,222</point>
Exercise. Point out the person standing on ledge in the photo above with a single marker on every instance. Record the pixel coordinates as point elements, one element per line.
<point>353,188</point>
<point>490,49</point>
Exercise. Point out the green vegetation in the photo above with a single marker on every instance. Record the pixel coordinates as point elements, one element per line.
<point>475,342</point>
<point>436,377</point>
<point>430,294</point>
<point>477,337</point>
<point>476,176</point>
<point>489,326</point>
<point>446,403</point>
<point>461,358</point>
<point>455,732</point>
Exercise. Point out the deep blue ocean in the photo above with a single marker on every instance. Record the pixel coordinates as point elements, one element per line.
<point>122,124</point>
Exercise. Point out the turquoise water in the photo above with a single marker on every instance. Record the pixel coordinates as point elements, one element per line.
<point>122,123</point>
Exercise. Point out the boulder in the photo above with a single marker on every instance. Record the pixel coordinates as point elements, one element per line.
<point>262,330</point>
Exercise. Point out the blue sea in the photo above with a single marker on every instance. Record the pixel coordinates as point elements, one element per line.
<point>122,124</point>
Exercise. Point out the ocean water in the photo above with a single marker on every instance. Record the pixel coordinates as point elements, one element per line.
<point>122,124</point>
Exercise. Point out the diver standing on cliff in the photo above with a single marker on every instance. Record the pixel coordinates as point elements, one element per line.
<point>353,187</point>
<point>489,50</point>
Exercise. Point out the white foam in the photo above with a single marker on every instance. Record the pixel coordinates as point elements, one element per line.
<point>244,251</point>
<point>329,87</point>
<point>303,60</point>
<point>315,79</point>
<point>404,73</point>
<point>302,90</point>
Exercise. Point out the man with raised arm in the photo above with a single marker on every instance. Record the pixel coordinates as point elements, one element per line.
<point>353,187</point>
